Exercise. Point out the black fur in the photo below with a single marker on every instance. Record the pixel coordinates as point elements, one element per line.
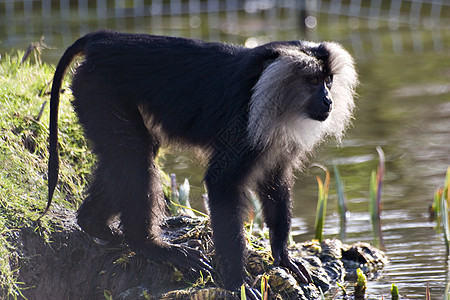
<point>133,92</point>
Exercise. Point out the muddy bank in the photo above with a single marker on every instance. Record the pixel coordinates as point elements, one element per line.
<point>71,265</point>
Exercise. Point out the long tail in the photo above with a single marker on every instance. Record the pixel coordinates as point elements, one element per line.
<point>53,163</point>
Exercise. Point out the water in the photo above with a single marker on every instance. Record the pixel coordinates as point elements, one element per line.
<point>404,107</point>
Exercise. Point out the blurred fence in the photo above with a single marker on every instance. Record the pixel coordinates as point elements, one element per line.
<point>200,18</point>
<point>230,20</point>
<point>411,12</point>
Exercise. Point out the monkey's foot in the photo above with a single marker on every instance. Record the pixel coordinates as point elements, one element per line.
<point>251,293</point>
<point>301,273</point>
<point>180,256</point>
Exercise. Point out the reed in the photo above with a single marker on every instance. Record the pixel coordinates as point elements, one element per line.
<point>435,209</point>
<point>445,198</point>
<point>375,203</point>
<point>321,202</point>
<point>183,193</point>
<point>342,202</point>
<point>243,295</point>
<point>265,287</point>
<point>179,198</point>
<point>439,209</point>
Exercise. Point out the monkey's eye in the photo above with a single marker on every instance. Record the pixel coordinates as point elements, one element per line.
<point>314,80</point>
<point>329,81</point>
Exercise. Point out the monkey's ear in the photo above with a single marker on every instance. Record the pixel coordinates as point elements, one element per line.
<point>266,54</point>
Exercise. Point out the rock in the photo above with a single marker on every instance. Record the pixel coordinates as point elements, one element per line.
<point>72,265</point>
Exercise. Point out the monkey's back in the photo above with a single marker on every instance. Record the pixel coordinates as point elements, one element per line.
<point>168,78</point>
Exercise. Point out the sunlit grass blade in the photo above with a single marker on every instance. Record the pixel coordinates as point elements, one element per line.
<point>447,184</point>
<point>243,295</point>
<point>264,287</point>
<point>427,292</point>
<point>439,209</point>
<point>343,289</point>
<point>342,202</point>
<point>445,222</point>
<point>445,198</point>
<point>321,203</point>
<point>107,295</point>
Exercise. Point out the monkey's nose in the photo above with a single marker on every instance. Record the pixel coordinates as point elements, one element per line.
<point>328,104</point>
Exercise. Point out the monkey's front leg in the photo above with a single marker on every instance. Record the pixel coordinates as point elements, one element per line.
<point>226,221</point>
<point>225,205</point>
<point>276,199</point>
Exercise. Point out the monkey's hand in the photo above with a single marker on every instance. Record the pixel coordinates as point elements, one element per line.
<point>297,268</point>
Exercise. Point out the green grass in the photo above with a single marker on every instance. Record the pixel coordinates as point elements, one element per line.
<point>23,157</point>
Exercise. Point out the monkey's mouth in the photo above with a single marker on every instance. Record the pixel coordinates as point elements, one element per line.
<point>320,117</point>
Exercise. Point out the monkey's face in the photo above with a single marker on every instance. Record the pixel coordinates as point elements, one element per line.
<point>320,102</point>
<point>302,96</point>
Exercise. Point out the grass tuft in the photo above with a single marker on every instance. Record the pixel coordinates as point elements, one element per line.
<point>23,156</point>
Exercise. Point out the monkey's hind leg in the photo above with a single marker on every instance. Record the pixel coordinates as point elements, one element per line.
<point>96,211</point>
<point>142,208</point>
<point>127,183</point>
